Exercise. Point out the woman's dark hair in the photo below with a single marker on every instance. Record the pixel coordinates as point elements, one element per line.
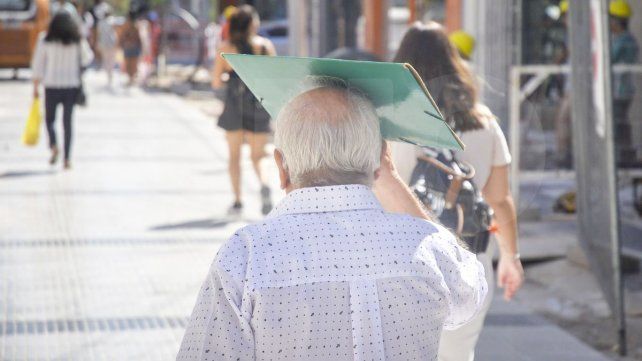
<point>63,29</point>
<point>428,49</point>
<point>241,26</point>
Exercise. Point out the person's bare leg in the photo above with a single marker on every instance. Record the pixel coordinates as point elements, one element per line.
<point>234,143</point>
<point>257,142</point>
<point>131,64</point>
<point>109,60</point>
<point>128,67</point>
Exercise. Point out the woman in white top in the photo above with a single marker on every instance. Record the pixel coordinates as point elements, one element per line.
<point>60,53</point>
<point>106,40</point>
<point>428,50</point>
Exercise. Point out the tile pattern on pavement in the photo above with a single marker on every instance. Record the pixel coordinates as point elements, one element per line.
<point>104,262</point>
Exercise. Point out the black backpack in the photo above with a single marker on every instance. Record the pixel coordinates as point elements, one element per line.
<point>445,186</point>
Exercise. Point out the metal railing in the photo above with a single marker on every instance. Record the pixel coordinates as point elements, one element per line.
<point>519,93</point>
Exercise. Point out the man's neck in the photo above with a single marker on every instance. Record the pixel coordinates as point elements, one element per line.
<point>291,187</point>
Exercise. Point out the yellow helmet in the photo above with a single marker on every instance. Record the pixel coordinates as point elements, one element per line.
<point>229,11</point>
<point>463,41</point>
<point>620,9</point>
<point>563,6</point>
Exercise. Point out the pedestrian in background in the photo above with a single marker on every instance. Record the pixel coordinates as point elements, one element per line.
<point>624,50</point>
<point>87,24</point>
<point>243,117</point>
<point>564,154</point>
<point>64,5</point>
<point>464,42</point>
<point>225,21</point>
<point>59,57</point>
<point>146,61</point>
<point>131,43</point>
<point>428,49</point>
<point>106,40</point>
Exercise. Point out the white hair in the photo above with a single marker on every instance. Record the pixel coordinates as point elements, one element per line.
<point>327,144</point>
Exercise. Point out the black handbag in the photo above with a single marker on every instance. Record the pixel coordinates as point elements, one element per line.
<point>81,96</point>
<point>445,186</point>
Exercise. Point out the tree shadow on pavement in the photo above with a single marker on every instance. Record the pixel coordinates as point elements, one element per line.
<point>25,173</point>
<point>196,224</point>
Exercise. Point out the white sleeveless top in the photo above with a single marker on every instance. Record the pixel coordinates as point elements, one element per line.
<point>485,148</point>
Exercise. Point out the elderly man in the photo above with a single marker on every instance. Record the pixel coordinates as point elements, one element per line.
<point>330,274</point>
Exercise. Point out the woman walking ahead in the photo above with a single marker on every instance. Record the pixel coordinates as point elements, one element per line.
<point>132,46</point>
<point>428,50</point>
<point>57,64</point>
<point>243,117</point>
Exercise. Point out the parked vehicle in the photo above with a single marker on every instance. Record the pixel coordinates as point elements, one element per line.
<point>277,32</point>
<point>20,23</point>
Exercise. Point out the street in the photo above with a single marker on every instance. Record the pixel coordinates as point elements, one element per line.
<point>103,262</point>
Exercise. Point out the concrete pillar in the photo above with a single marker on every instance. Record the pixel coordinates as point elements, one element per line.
<point>453,18</point>
<point>496,56</point>
<point>475,25</point>
<point>635,26</point>
<point>298,39</point>
<point>376,15</point>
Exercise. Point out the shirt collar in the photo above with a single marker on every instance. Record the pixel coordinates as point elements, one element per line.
<point>326,199</point>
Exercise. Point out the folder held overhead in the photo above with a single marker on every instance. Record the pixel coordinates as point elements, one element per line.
<point>405,108</point>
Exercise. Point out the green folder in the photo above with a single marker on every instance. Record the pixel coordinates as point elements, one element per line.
<point>405,108</point>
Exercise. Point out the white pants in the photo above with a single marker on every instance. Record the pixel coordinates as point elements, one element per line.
<point>459,344</point>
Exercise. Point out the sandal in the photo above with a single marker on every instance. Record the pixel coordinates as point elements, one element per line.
<point>54,156</point>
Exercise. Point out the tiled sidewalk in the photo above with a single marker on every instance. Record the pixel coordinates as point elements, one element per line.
<point>103,262</point>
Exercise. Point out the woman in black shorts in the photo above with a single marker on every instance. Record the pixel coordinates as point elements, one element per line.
<point>243,118</point>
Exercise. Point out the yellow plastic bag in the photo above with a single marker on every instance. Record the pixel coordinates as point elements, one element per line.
<point>32,128</point>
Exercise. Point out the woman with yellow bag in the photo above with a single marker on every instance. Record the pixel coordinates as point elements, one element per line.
<point>60,55</point>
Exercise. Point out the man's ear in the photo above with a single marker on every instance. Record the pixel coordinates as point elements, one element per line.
<point>382,159</point>
<point>377,173</point>
<point>284,177</point>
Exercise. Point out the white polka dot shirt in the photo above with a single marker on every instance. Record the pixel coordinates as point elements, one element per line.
<point>329,275</point>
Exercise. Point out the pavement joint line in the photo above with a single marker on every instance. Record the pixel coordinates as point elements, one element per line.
<point>113,192</point>
<point>64,243</point>
<point>89,325</point>
<point>119,159</point>
<point>514,320</point>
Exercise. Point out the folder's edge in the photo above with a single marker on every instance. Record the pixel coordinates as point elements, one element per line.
<point>412,71</point>
<point>227,57</point>
<point>423,87</point>
<point>432,101</point>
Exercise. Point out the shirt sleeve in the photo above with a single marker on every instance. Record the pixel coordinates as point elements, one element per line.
<point>38,61</point>
<point>464,279</point>
<point>219,327</point>
<point>501,154</point>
